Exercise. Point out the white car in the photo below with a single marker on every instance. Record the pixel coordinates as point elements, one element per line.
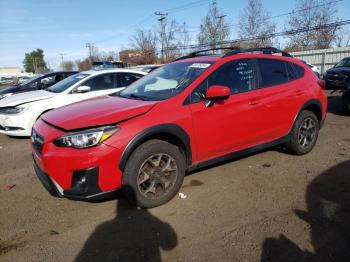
<point>19,112</point>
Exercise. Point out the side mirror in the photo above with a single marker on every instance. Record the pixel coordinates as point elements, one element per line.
<point>82,89</point>
<point>217,93</point>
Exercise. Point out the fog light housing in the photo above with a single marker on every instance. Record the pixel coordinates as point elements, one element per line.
<point>84,182</point>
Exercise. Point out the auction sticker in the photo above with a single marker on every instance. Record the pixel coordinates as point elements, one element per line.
<point>199,65</point>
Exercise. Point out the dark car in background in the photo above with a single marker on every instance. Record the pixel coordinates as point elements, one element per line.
<point>338,78</point>
<point>37,82</point>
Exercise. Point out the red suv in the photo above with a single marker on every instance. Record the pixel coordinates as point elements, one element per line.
<point>194,112</point>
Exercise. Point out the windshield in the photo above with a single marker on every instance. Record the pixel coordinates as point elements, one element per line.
<point>165,82</point>
<point>343,63</point>
<point>66,83</point>
<point>31,80</point>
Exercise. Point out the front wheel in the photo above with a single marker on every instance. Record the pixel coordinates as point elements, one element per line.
<point>153,174</point>
<point>304,133</point>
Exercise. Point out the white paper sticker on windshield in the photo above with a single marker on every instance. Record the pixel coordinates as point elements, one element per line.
<point>199,65</point>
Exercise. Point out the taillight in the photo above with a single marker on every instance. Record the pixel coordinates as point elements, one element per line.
<point>321,83</point>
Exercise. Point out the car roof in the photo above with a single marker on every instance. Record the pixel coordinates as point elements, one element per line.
<point>113,70</point>
<point>59,72</point>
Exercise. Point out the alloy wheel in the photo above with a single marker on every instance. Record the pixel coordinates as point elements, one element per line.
<point>307,132</point>
<point>157,175</point>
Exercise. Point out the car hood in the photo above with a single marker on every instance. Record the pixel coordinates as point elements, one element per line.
<point>339,70</point>
<point>98,111</point>
<point>26,97</point>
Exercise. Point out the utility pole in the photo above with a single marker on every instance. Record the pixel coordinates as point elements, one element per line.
<point>162,17</point>
<point>90,46</point>
<point>61,59</point>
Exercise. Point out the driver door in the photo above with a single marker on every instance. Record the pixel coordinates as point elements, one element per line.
<point>231,124</point>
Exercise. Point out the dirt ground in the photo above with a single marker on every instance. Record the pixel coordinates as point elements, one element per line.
<point>270,206</point>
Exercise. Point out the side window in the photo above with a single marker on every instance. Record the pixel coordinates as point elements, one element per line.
<point>238,75</point>
<point>34,85</point>
<point>291,74</point>
<point>48,81</point>
<point>298,70</point>
<point>100,82</point>
<point>59,77</point>
<point>273,72</point>
<point>128,78</point>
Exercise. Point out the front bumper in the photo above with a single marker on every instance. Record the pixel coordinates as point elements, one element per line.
<point>84,174</point>
<point>15,125</point>
<point>90,190</point>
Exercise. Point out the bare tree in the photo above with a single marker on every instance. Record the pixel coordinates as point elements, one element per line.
<point>67,65</point>
<point>145,41</point>
<point>254,25</point>
<point>83,65</point>
<point>214,28</point>
<point>342,38</point>
<point>310,16</point>
<point>170,40</point>
<point>183,39</point>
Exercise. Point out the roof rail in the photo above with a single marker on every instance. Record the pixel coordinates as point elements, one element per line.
<point>264,50</point>
<point>196,53</point>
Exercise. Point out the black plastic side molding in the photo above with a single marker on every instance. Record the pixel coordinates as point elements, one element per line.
<point>172,131</point>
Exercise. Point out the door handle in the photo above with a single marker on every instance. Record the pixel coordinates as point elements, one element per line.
<point>253,102</point>
<point>299,92</point>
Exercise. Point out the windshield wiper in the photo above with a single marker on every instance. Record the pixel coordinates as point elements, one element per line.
<point>144,98</point>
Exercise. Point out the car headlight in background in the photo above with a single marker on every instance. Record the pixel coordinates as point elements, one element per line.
<point>87,138</point>
<point>11,110</point>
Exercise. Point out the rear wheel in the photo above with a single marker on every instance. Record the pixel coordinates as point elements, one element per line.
<point>304,134</point>
<point>153,174</point>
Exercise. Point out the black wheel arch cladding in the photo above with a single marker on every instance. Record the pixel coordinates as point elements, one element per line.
<point>171,133</point>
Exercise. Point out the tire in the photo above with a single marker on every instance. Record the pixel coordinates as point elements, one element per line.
<point>303,140</point>
<point>145,184</point>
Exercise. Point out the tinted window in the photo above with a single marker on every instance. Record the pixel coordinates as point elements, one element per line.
<point>128,78</point>
<point>291,74</point>
<point>66,83</point>
<point>48,81</point>
<point>273,72</point>
<point>299,71</point>
<point>237,75</point>
<point>100,82</point>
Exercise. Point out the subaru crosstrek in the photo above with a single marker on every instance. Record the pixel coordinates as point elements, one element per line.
<point>193,112</point>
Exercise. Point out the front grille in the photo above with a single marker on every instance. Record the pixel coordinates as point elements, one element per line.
<point>37,142</point>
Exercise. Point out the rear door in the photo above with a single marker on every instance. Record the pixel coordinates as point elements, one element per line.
<point>230,124</point>
<point>280,92</point>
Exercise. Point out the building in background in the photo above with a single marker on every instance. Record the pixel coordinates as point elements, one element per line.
<point>130,57</point>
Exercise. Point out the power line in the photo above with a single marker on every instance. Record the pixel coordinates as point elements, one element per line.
<point>272,35</point>
<point>280,15</point>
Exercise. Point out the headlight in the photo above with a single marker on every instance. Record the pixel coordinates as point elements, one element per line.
<point>11,110</point>
<point>5,95</point>
<point>87,138</point>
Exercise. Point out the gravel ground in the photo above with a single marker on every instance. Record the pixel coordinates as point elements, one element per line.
<point>269,206</point>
